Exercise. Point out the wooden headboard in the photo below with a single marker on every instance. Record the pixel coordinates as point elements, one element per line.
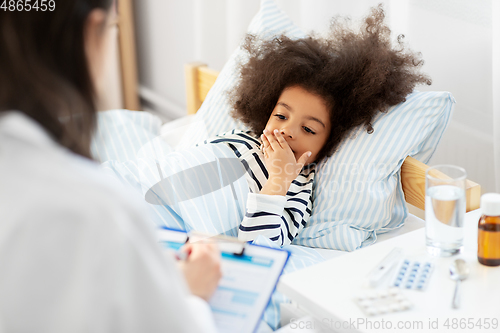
<point>200,78</point>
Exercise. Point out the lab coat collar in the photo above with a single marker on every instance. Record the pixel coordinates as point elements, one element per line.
<point>15,124</point>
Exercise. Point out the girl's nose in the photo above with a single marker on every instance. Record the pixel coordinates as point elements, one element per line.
<point>287,133</point>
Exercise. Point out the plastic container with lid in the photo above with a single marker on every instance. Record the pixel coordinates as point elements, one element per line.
<point>488,235</point>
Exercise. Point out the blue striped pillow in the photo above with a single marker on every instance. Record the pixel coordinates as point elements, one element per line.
<point>358,192</point>
<point>346,218</point>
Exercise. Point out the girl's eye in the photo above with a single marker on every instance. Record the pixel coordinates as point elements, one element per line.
<point>308,130</point>
<point>280,116</point>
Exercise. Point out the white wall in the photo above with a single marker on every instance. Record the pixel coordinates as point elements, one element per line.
<point>454,36</point>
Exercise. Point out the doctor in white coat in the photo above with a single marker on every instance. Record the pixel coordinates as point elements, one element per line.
<point>76,251</point>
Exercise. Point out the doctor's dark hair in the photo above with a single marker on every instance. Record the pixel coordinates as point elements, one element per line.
<point>44,71</point>
<point>358,73</point>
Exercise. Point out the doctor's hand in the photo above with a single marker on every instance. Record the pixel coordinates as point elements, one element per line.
<point>202,268</point>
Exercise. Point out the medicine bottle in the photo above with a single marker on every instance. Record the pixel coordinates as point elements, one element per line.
<point>488,234</point>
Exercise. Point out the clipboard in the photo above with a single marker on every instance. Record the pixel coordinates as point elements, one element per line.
<point>250,274</point>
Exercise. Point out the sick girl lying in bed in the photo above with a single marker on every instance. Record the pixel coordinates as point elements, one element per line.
<point>300,98</point>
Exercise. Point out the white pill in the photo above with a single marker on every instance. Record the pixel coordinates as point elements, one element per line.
<point>394,307</point>
<point>394,291</point>
<point>405,304</point>
<point>383,309</point>
<point>365,303</point>
<point>401,307</point>
<point>363,296</point>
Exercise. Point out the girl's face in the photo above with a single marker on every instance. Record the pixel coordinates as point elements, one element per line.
<point>303,120</point>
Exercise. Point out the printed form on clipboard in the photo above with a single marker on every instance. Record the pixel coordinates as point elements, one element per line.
<point>250,274</point>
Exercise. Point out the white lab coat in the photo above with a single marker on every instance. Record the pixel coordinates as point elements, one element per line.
<point>76,252</point>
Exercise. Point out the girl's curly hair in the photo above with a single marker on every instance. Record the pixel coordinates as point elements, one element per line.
<point>357,73</point>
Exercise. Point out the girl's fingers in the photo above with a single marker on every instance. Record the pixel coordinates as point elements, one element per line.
<point>265,141</point>
<point>272,140</point>
<point>281,139</point>
<point>303,159</point>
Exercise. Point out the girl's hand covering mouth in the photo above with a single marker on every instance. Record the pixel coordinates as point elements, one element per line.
<point>280,159</point>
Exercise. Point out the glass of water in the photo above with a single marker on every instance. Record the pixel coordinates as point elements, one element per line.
<point>444,209</point>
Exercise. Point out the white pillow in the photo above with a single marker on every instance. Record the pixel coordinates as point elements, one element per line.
<point>270,21</point>
<point>346,219</point>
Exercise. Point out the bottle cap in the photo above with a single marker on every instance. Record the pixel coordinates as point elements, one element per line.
<point>490,204</point>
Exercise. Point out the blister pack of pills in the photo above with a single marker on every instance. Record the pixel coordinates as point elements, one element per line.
<point>413,274</point>
<point>376,302</point>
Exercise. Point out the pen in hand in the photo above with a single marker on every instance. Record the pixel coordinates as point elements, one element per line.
<point>182,254</point>
<point>201,268</point>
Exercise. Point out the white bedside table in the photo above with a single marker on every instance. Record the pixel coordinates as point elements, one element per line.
<point>326,290</point>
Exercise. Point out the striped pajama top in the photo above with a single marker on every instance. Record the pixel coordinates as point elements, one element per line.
<point>280,218</point>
